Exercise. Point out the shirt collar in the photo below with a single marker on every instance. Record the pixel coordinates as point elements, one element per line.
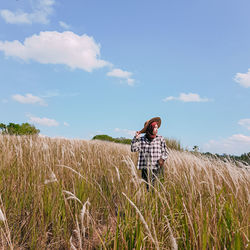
<point>146,139</point>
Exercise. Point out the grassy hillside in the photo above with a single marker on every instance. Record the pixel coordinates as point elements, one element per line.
<point>171,143</point>
<point>62,194</point>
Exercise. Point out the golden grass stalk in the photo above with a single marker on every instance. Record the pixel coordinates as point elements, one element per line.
<point>205,200</point>
<point>144,222</point>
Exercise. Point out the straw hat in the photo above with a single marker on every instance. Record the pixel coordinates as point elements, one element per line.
<point>146,124</point>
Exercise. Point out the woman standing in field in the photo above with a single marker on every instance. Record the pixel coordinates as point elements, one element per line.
<point>152,150</point>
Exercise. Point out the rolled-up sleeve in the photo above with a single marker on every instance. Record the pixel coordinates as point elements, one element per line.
<point>164,150</point>
<point>135,144</point>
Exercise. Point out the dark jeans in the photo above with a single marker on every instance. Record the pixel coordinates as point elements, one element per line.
<point>149,175</point>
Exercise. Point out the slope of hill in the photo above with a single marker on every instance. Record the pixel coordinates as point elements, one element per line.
<point>176,145</point>
<point>171,143</point>
<point>58,193</point>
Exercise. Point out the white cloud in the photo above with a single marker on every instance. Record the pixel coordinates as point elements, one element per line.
<point>119,73</point>
<point>64,25</point>
<point>170,98</point>
<point>240,138</point>
<point>236,144</point>
<point>66,124</point>
<point>125,131</point>
<point>122,74</point>
<point>243,79</point>
<point>29,99</point>
<point>190,97</point>
<point>40,13</point>
<point>43,121</point>
<point>245,123</point>
<point>52,47</point>
<point>130,81</point>
<point>18,17</point>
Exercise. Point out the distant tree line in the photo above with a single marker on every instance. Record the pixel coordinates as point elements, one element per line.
<point>244,158</point>
<point>18,129</point>
<point>176,145</point>
<point>111,139</point>
<point>171,143</point>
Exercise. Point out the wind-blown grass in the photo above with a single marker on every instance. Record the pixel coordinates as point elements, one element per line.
<point>62,194</point>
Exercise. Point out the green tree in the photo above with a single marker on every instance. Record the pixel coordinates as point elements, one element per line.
<point>17,129</point>
<point>13,129</point>
<point>2,128</point>
<point>103,138</point>
<point>27,129</point>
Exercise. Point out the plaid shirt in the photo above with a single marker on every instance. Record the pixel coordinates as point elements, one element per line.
<point>149,151</point>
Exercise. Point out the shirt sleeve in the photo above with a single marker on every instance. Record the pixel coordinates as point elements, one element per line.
<point>135,144</point>
<point>164,150</point>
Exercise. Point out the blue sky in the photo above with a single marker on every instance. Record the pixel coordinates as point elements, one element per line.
<point>75,69</point>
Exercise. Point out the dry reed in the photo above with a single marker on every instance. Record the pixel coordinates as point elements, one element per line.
<point>59,193</point>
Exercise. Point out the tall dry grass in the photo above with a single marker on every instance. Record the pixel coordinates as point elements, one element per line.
<point>74,194</point>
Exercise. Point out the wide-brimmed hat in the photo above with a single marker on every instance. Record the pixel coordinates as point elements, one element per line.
<point>146,124</point>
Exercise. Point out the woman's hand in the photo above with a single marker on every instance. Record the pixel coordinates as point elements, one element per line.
<point>161,162</point>
<point>137,134</point>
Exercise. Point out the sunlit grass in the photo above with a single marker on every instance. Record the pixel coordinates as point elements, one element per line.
<point>59,193</point>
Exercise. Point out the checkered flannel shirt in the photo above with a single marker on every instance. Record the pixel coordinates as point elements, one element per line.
<point>149,151</point>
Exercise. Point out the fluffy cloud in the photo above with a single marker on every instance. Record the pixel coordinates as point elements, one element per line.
<point>29,99</point>
<point>66,124</point>
<point>190,97</point>
<point>51,47</point>
<point>122,74</point>
<point>125,131</point>
<point>245,123</point>
<point>41,11</point>
<point>43,121</point>
<point>243,79</point>
<point>18,17</point>
<point>236,144</point>
<point>64,25</point>
<point>119,73</point>
<point>67,48</point>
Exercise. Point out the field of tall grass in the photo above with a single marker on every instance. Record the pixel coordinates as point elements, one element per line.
<point>75,194</point>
